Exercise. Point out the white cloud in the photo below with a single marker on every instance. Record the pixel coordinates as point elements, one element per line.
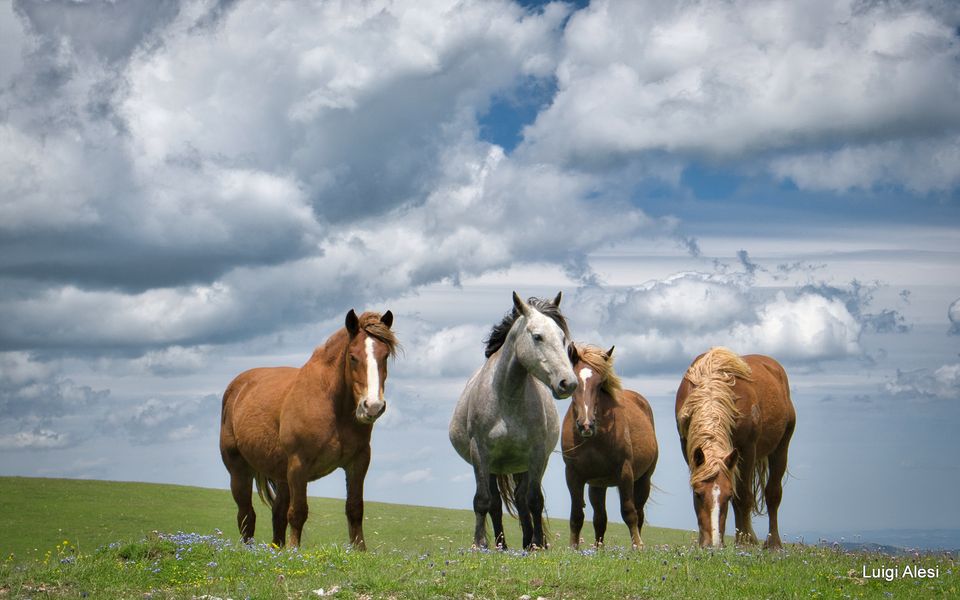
<point>745,79</point>
<point>173,361</point>
<point>809,327</point>
<point>942,383</point>
<point>919,165</point>
<point>670,321</point>
<point>157,420</point>
<point>417,476</point>
<point>38,439</point>
<point>407,478</point>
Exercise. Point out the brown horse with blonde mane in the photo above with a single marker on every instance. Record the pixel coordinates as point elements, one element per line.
<point>608,440</point>
<point>283,427</point>
<point>735,420</point>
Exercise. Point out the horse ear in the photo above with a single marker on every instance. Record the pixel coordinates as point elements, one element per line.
<point>520,306</point>
<point>556,301</point>
<point>573,354</point>
<point>387,319</point>
<point>731,459</point>
<point>352,322</point>
<point>610,352</point>
<point>698,457</point>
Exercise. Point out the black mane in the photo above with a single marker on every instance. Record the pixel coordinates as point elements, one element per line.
<point>498,335</point>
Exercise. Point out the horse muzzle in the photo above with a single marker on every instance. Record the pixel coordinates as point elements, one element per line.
<point>368,412</point>
<point>588,430</point>
<point>565,388</point>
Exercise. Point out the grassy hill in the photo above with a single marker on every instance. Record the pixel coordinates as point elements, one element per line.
<point>36,514</point>
<point>95,539</point>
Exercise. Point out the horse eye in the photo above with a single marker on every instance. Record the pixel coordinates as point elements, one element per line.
<point>354,360</point>
<point>537,337</point>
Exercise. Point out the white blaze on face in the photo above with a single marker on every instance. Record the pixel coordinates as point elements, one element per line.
<point>585,374</point>
<point>715,515</point>
<point>373,374</point>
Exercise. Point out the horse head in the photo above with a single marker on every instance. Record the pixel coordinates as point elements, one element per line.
<point>370,343</point>
<point>711,497</point>
<point>540,346</point>
<point>593,366</point>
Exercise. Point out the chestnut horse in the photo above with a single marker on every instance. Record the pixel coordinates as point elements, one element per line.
<point>505,422</point>
<point>735,420</point>
<point>283,427</point>
<point>608,440</point>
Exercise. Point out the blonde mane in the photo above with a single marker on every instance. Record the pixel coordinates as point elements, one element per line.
<point>370,322</point>
<point>596,358</point>
<point>709,412</point>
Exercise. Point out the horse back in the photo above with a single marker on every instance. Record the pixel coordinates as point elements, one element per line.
<point>643,437</point>
<point>252,403</point>
<point>766,401</point>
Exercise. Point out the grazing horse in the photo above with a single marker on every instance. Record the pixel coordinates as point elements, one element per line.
<point>608,440</point>
<point>505,422</point>
<point>283,426</point>
<point>735,420</point>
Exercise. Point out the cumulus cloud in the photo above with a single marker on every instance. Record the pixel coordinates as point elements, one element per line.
<point>179,185</point>
<point>158,420</point>
<point>832,95</point>
<point>34,390</point>
<point>942,383</point>
<point>38,439</point>
<point>667,322</point>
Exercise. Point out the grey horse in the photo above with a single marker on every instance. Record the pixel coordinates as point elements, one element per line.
<point>506,421</point>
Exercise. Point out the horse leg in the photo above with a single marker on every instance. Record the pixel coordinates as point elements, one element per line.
<point>575,487</point>
<point>535,502</point>
<point>641,492</point>
<point>521,483</point>
<point>481,500</point>
<point>496,514</point>
<point>628,509</point>
<point>241,486</point>
<point>598,500</point>
<point>281,504</point>
<point>356,472</point>
<point>297,484</point>
<point>743,503</point>
<point>774,491</point>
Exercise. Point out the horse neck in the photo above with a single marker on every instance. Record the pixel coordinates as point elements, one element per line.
<point>325,371</point>
<point>509,374</point>
<point>605,401</point>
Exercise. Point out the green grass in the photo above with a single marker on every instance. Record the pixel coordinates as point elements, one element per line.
<point>91,539</point>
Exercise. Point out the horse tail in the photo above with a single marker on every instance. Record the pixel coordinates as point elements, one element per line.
<point>507,492</point>
<point>266,489</point>
<point>759,484</point>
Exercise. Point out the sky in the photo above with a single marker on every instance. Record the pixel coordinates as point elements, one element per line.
<point>192,189</point>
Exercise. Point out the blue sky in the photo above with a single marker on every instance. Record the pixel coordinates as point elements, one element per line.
<point>191,189</point>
